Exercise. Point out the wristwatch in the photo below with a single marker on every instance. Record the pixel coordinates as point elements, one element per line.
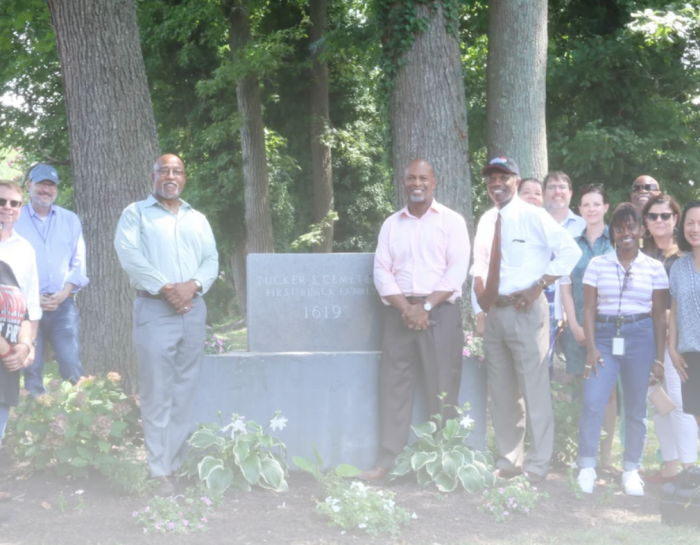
<point>34,341</point>
<point>198,284</point>
<point>427,306</point>
<point>542,283</point>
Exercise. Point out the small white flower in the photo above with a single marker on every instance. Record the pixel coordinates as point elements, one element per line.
<point>414,516</point>
<point>362,525</point>
<point>342,533</point>
<point>78,492</point>
<point>278,423</point>
<point>335,508</point>
<point>237,425</point>
<point>466,422</point>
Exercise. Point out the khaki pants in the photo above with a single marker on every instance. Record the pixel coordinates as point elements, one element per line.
<point>515,346</point>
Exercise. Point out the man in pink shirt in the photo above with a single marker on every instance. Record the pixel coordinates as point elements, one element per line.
<point>420,265</point>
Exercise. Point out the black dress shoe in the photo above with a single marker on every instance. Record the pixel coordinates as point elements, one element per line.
<point>505,474</point>
<point>534,478</point>
<point>166,487</point>
<point>376,474</point>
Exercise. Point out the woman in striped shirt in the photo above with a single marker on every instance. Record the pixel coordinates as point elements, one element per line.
<point>624,321</point>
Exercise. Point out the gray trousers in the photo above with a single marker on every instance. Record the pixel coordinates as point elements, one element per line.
<point>170,348</point>
<point>515,346</point>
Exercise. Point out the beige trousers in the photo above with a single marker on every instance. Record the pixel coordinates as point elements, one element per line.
<point>515,346</point>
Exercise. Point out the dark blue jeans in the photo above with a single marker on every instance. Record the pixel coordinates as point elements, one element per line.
<point>60,328</point>
<point>635,366</point>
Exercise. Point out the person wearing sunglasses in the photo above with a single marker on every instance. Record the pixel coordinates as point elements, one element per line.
<point>56,235</point>
<point>643,188</point>
<point>18,285</point>
<point>677,432</point>
<point>625,293</point>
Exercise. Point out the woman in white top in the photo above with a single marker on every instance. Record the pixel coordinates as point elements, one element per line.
<point>624,322</point>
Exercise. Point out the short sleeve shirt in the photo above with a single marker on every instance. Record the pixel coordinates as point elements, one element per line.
<point>636,285</point>
<point>685,289</point>
<point>13,307</point>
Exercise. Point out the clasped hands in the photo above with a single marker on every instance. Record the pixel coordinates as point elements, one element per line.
<point>20,357</point>
<point>180,295</point>
<point>416,317</point>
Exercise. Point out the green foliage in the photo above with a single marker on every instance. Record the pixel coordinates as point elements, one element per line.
<point>315,235</point>
<point>214,344</point>
<point>517,497</point>
<point>440,457</point>
<point>354,505</point>
<point>73,429</point>
<point>241,458</point>
<point>567,409</point>
<point>184,514</point>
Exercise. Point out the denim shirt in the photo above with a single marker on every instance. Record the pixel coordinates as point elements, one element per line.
<point>601,246</point>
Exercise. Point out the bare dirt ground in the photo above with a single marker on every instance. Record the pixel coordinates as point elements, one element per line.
<point>38,516</point>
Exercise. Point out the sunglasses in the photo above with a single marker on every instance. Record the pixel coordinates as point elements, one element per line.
<point>645,187</point>
<point>13,204</point>
<point>651,216</point>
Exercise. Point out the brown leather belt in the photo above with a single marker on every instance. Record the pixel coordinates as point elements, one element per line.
<point>507,300</point>
<point>149,295</point>
<point>415,300</point>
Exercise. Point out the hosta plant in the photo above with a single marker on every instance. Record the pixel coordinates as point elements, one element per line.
<point>239,454</point>
<point>440,457</point>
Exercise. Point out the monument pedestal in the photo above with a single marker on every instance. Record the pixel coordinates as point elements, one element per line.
<point>330,399</point>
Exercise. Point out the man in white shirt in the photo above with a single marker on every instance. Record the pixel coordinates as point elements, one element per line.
<point>513,264</point>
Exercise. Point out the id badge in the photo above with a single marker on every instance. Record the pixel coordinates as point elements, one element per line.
<point>618,346</point>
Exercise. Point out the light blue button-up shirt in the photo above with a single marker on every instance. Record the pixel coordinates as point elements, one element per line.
<point>157,247</point>
<point>58,243</point>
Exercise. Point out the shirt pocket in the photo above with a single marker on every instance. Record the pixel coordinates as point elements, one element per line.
<point>518,253</point>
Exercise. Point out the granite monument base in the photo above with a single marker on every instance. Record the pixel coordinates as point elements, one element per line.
<point>330,399</point>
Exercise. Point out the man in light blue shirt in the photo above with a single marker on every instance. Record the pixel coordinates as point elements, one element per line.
<point>168,250</point>
<point>56,235</point>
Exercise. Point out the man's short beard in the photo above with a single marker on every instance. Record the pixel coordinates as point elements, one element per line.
<point>39,201</point>
<point>551,206</point>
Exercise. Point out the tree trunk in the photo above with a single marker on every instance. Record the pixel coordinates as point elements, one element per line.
<point>321,167</point>
<point>429,113</point>
<point>238,269</point>
<point>113,147</point>
<point>516,92</point>
<point>258,220</point>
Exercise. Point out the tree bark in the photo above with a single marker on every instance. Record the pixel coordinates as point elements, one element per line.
<point>238,269</point>
<point>516,92</point>
<point>429,114</point>
<point>321,167</point>
<point>113,147</point>
<point>258,219</point>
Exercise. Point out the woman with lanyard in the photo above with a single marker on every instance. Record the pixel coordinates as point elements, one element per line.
<point>15,328</point>
<point>594,241</point>
<point>683,330</point>
<point>677,432</point>
<point>624,323</point>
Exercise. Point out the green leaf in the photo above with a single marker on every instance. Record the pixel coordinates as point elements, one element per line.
<point>206,466</point>
<point>203,439</point>
<point>419,459</point>
<point>241,450</point>
<point>77,461</point>
<point>104,446</point>
<point>219,479</point>
<point>424,430</point>
<point>423,477</point>
<point>251,468</point>
<point>305,465</point>
<point>451,428</point>
<point>319,460</point>
<point>347,471</point>
<point>445,483</point>
<point>471,479</point>
<point>240,483</point>
<point>434,467</point>
<point>402,465</point>
<point>451,462</point>
<point>84,452</point>
<point>272,472</point>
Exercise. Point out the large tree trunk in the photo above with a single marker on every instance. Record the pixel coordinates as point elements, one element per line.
<point>429,113</point>
<point>113,147</point>
<point>258,220</point>
<point>321,167</point>
<point>516,93</point>
<point>238,270</point>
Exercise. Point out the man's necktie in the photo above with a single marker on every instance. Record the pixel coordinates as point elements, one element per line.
<point>490,294</point>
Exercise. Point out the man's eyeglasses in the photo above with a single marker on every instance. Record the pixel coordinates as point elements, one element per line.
<point>13,204</point>
<point>651,216</point>
<point>176,172</point>
<point>644,187</point>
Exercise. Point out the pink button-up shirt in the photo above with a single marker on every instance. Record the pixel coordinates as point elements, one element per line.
<point>417,256</point>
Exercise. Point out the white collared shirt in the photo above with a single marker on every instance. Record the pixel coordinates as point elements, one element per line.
<point>20,256</point>
<point>575,225</point>
<point>529,238</point>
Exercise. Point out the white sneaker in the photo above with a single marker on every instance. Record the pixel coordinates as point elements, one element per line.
<point>632,483</point>
<point>586,479</point>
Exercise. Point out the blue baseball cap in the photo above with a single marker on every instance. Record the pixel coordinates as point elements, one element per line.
<point>504,164</point>
<point>43,172</point>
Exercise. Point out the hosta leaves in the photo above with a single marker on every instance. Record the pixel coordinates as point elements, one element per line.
<point>451,462</point>
<point>251,468</point>
<point>471,479</point>
<point>273,473</point>
<point>203,439</point>
<point>419,459</point>
<point>219,479</point>
<point>445,482</point>
<point>207,465</point>
<point>426,429</point>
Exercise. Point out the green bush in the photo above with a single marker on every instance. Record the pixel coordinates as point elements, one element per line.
<point>74,429</point>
